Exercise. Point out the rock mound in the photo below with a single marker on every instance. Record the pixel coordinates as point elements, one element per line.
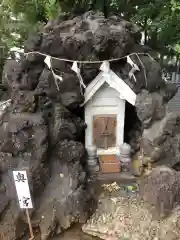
<point>42,131</point>
<point>126,217</point>
<point>161,189</point>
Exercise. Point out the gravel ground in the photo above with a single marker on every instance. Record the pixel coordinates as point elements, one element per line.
<point>121,215</point>
<point>74,233</point>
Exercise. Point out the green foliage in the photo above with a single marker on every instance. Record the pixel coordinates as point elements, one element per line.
<point>52,10</point>
<point>34,11</point>
<point>177,48</point>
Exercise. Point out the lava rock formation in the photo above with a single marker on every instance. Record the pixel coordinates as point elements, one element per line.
<point>42,131</point>
<point>161,190</point>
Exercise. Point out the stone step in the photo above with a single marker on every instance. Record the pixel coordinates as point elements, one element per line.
<point>116,177</point>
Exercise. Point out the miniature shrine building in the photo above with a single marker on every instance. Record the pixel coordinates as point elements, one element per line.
<point>105,99</point>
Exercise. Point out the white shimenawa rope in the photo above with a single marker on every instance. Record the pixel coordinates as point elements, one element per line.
<point>90,62</point>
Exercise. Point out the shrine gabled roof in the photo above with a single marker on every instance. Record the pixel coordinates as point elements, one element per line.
<point>125,92</point>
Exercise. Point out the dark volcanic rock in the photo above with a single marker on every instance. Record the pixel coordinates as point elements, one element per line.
<point>165,136</point>
<point>25,148</point>
<point>92,37</point>
<point>149,107</point>
<point>161,189</point>
<point>41,132</point>
<point>65,200</point>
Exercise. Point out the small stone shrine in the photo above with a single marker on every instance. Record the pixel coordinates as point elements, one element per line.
<point>105,99</point>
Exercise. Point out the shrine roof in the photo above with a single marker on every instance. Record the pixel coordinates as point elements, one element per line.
<point>125,92</point>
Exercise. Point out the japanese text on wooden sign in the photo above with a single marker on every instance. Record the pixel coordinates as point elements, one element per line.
<point>22,189</point>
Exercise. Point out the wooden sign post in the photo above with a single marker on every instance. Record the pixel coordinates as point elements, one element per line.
<point>24,196</point>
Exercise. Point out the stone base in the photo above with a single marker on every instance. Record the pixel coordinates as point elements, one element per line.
<point>116,177</point>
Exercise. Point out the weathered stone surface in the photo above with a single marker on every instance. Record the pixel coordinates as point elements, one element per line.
<point>64,200</point>
<point>161,189</point>
<point>168,91</point>
<point>123,215</point>
<point>25,143</point>
<point>11,73</point>
<point>92,37</point>
<point>149,107</point>
<point>165,136</point>
<point>24,148</point>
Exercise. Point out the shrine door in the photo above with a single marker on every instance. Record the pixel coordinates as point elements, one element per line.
<point>104,131</point>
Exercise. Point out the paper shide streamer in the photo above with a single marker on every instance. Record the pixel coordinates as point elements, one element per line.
<point>105,67</point>
<point>56,77</point>
<point>133,69</point>
<point>59,78</point>
<point>78,72</point>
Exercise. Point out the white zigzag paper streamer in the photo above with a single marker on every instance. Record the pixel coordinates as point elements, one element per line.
<point>78,72</point>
